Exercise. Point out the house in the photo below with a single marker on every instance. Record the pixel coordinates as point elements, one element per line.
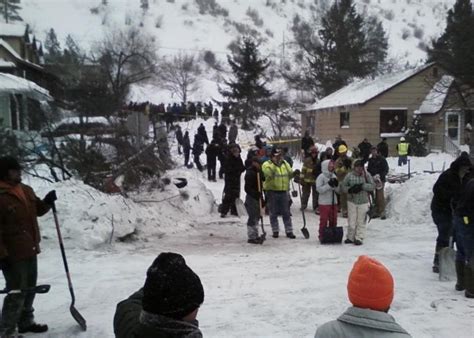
<point>24,82</point>
<point>20,103</point>
<point>385,107</point>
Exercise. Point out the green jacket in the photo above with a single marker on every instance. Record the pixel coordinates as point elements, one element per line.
<point>277,178</point>
<point>352,179</point>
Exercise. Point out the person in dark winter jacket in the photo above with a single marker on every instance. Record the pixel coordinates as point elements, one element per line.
<point>253,200</point>
<point>212,151</point>
<point>370,288</point>
<point>364,148</point>
<point>166,306</point>
<point>19,247</point>
<point>383,147</point>
<point>446,192</point>
<point>233,168</point>
<point>233,132</point>
<point>464,228</point>
<point>201,131</point>
<point>378,168</point>
<point>198,148</point>
<point>309,173</point>
<point>179,138</point>
<point>306,143</point>
<point>326,154</point>
<point>223,130</point>
<point>186,148</point>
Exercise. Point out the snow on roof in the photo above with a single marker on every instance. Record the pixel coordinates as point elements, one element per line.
<point>6,64</point>
<point>434,101</point>
<point>13,84</point>
<point>8,29</point>
<point>359,92</point>
<point>17,56</point>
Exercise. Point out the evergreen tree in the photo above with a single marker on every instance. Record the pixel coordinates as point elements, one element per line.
<point>52,47</point>
<point>248,86</point>
<point>417,137</point>
<point>454,50</point>
<point>346,46</point>
<point>9,10</point>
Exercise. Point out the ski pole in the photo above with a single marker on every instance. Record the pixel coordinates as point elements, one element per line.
<point>74,312</point>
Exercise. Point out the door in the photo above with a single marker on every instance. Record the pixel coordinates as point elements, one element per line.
<point>453,124</point>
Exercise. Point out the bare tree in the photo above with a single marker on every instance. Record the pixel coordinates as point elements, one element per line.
<point>126,56</point>
<point>180,75</point>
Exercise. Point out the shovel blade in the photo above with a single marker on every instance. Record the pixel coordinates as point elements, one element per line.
<point>305,232</point>
<point>447,266</point>
<point>239,205</point>
<point>78,318</point>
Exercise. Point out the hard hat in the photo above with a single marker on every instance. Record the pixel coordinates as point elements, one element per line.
<point>402,139</point>
<point>342,148</point>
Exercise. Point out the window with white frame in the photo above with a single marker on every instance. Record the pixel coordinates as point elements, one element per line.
<point>344,119</point>
<point>393,120</point>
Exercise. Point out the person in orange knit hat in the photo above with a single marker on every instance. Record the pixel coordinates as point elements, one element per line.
<point>370,288</point>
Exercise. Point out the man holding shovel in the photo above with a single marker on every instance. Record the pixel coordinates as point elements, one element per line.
<point>310,171</point>
<point>253,200</point>
<point>19,246</point>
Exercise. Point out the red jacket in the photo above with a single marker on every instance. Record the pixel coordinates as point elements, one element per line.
<point>19,231</point>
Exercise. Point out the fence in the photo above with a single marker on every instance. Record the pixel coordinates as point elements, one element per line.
<point>441,142</point>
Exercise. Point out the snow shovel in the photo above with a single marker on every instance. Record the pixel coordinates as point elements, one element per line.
<point>262,210</point>
<point>304,230</point>
<point>74,312</point>
<point>43,288</point>
<point>239,205</point>
<point>447,265</point>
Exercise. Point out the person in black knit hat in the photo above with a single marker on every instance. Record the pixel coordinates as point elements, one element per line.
<point>166,306</point>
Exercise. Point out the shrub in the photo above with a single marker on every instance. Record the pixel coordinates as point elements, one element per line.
<point>418,32</point>
<point>253,14</point>
<point>209,58</point>
<point>405,33</point>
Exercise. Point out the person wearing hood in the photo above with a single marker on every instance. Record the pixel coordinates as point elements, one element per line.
<point>370,288</point>
<point>446,192</point>
<point>166,306</point>
<point>19,247</point>
<point>327,187</point>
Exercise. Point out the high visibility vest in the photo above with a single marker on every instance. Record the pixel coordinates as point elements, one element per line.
<point>403,148</point>
<point>277,178</point>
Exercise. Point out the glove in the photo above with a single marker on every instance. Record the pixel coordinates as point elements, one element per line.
<point>4,263</point>
<point>50,197</point>
<point>333,182</point>
<point>297,179</point>
<point>355,189</point>
<point>297,172</point>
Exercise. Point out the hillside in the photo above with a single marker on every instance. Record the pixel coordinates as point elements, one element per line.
<point>184,24</point>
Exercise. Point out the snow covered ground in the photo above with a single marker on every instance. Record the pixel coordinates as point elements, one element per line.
<point>283,288</point>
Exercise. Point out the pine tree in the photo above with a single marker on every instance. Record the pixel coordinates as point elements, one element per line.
<point>52,47</point>
<point>346,47</point>
<point>454,50</point>
<point>9,10</point>
<point>417,137</point>
<point>248,86</point>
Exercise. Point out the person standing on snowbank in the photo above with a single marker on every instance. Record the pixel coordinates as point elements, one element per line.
<point>166,306</point>
<point>370,289</point>
<point>19,247</point>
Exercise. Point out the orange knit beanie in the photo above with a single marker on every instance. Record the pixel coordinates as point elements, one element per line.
<point>370,285</point>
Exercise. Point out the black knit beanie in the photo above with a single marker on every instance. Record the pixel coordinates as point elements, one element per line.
<point>171,288</point>
<point>8,163</point>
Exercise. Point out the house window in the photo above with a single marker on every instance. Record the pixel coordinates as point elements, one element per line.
<point>311,124</point>
<point>393,120</point>
<point>344,119</point>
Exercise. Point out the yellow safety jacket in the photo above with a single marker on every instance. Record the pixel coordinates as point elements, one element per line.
<point>277,178</point>
<point>403,148</point>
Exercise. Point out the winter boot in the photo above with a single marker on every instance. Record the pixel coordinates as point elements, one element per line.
<point>436,259</point>
<point>469,279</point>
<point>290,235</point>
<point>275,234</point>
<point>34,327</point>
<point>460,276</point>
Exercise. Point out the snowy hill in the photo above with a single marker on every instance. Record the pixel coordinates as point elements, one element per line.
<point>201,25</point>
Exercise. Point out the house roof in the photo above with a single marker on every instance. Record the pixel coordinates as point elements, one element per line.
<point>9,29</point>
<point>17,56</point>
<point>359,92</point>
<point>17,85</point>
<point>434,101</point>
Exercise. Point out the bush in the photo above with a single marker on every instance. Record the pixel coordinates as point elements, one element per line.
<point>209,58</point>
<point>418,32</point>
<point>211,7</point>
<point>405,34</point>
<point>159,21</point>
<point>253,14</point>
<point>389,15</point>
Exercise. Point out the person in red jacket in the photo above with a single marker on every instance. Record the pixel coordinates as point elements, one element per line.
<point>19,246</point>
